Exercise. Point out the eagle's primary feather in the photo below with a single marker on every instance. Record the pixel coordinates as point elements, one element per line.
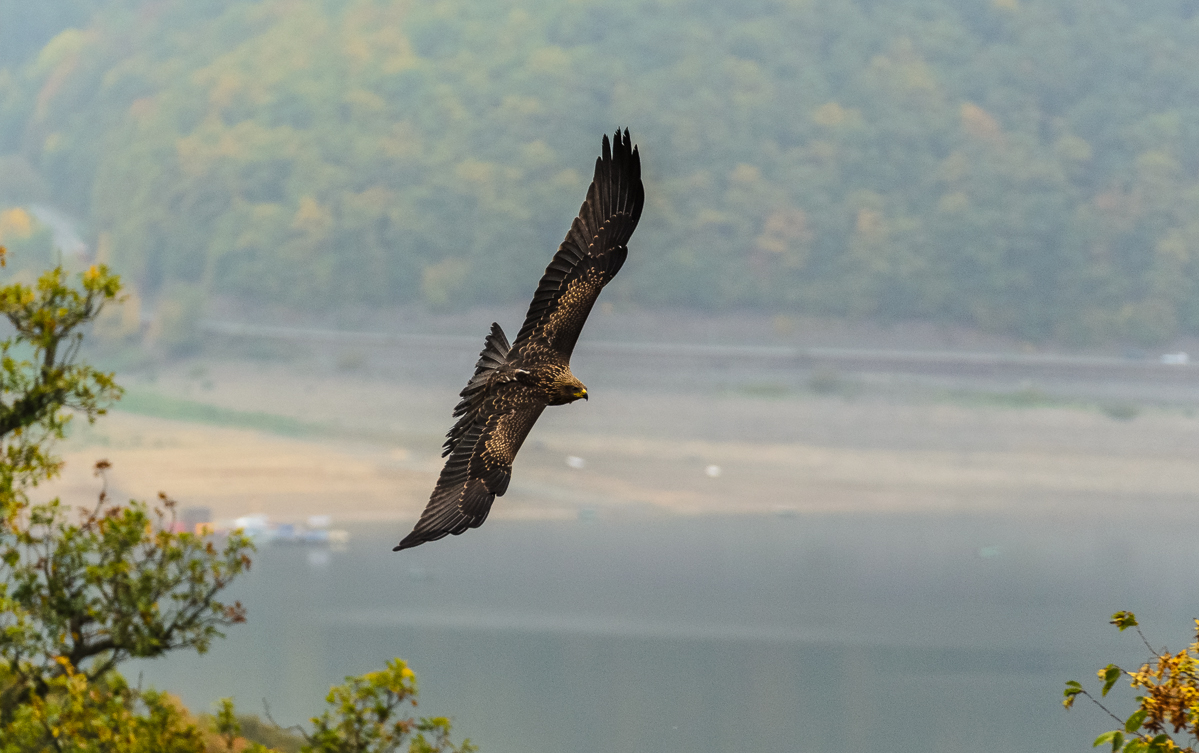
<point>512,384</point>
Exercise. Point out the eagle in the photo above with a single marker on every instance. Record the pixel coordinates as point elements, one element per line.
<point>513,384</point>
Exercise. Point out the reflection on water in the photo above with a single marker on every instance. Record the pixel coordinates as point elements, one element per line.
<point>797,633</point>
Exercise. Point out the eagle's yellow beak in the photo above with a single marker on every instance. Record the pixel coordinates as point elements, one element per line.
<point>581,394</point>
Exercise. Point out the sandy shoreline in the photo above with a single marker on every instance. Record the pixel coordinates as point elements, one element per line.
<point>643,454</point>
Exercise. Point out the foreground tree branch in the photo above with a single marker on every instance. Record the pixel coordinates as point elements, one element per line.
<point>1166,719</point>
<point>81,592</point>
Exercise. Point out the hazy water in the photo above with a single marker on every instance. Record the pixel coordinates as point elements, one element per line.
<point>844,633</point>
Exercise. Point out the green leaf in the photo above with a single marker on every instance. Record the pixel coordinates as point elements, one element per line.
<point>1106,737</point>
<point>1111,673</point>
<point>1137,746</point>
<point>1073,688</point>
<point>1135,721</point>
<point>1124,620</point>
<point>1115,737</point>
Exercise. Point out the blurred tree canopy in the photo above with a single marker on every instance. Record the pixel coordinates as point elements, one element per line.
<point>1024,166</point>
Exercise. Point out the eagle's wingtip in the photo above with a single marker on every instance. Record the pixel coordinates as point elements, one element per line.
<point>407,543</point>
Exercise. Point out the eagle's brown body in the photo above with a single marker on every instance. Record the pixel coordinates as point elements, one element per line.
<point>513,384</point>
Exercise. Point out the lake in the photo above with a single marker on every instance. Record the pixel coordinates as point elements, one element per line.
<point>733,633</point>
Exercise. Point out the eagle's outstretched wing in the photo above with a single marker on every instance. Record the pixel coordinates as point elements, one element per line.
<point>482,445</point>
<point>592,254</point>
<point>478,469</point>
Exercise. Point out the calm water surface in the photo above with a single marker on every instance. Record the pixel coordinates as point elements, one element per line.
<point>840,633</point>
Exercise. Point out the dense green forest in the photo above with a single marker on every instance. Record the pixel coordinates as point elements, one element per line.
<point>1024,166</point>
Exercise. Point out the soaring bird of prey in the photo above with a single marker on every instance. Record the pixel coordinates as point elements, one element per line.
<point>512,384</point>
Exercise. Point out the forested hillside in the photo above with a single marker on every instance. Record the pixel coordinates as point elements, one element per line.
<point>1024,166</point>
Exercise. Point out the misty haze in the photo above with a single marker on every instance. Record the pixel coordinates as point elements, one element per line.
<point>892,405</point>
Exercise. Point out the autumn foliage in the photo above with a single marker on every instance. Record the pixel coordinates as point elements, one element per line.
<point>1167,714</point>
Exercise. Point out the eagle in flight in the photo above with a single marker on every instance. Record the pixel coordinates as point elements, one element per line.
<point>512,384</point>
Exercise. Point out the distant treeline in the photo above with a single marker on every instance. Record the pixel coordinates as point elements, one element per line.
<point>1024,166</point>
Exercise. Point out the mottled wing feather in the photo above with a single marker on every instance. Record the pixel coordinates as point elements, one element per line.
<point>479,467</point>
<point>489,369</point>
<point>592,254</point>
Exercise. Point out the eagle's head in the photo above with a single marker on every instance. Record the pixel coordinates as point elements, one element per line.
<point>566,389</point>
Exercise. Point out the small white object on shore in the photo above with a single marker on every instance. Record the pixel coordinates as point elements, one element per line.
<point>576,462</point>
<point>713,471</point>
